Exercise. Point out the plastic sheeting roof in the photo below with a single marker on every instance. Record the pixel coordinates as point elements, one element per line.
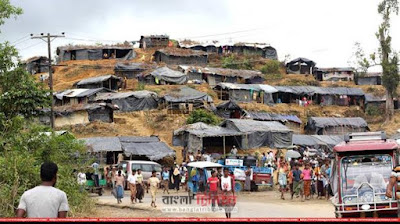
<point>311,90</point>
<point>246,74</point>
<point>229,105</point>
<point>129,67</point>
<point>273,117</point>
<point>256,87</point>
<point>151,147</point>
<point>97,79</point>
<point>371,98</point>
<point>322,122</point>
<point>201,129</point>
<point>72,93</point>
<point>186,94</point>
<point>169,75</point>
<point>137,94</point>
<point>103,144</point>
<point>248,126</point>
<point>302,60</point>
<point>317,141</point>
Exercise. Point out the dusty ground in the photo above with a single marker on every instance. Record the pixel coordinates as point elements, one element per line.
<point>255,204</point>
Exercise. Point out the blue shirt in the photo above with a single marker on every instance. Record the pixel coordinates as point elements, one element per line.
<point>165,175</point>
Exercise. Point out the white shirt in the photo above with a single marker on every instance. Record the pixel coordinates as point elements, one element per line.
<point>43,202</point>
<point>191,158</point>
<point>234,151</point>
<point>132,179</point>
<point>207,157</point>
<point>81,178</point>
<point>226,183</point>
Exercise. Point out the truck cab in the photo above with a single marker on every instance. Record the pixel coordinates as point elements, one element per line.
<point>360,175</point>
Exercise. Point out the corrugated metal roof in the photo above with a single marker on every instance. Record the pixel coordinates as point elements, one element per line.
<point>73,93</point>
<point>341,69</point>
<point>182,52</point>
<point>322,122</point>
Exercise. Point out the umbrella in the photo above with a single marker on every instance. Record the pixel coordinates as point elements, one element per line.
<point>292,154</point>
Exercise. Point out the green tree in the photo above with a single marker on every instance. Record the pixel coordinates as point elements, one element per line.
<point>203,116</point>
<point>21,95</point>
<point>387,57</point>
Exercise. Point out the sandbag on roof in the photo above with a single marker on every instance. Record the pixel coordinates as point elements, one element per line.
<point>169,75</point>
<point>322,122</point>
<point>186,94</point>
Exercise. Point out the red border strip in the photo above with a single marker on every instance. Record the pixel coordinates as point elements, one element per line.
<point>200,220</point>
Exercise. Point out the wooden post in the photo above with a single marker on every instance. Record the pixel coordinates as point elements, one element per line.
<point>224,146</point>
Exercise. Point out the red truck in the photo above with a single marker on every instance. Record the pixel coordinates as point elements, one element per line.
<point>360,174</point>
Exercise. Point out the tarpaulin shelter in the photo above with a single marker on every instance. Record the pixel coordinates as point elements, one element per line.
<point>322,142</point>
<point>335,126</point>
<point>154,41</point>
<point>214,76</point>
<point>186,99</point>
<point>300,66</point>
<point>229,109</point>
<point>196,136</point>
<point>256,134</point>
<point>165,75</point>
<point>129,70</point>
<point>37,64</point>
<point>80,114</point>
<point>291,121</point>
<point>245,92</point>
<point>334,74</point>
<point>77,96</point>
<point>82,52</point>
<point>370,78</point>
<point>320,95</point>
<point>258,49</point>
<point>105,81</point>
<point>178,56</point>
<point>132,146</point>
<point>130,101</point>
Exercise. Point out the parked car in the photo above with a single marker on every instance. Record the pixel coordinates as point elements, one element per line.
<point>146,166</point>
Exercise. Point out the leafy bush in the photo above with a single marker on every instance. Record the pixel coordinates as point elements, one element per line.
<point>373,110</point>
<point>24,148</point>
<point>271,67</point>
<point>203,116</point>
<point>141,86</point>
<point>233,62</point>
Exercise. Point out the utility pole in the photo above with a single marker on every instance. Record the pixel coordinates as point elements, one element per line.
<point>47,39</point>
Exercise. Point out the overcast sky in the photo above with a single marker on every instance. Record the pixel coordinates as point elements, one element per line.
<point>322,30</point>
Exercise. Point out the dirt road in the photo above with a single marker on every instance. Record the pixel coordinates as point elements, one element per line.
<point>255,204</point>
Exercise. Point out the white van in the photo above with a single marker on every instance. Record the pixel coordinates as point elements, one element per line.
<point>146,166</point>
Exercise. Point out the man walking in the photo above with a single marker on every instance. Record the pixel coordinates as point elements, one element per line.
<point>44,201</point>
<point>394,182</point>
<point>132,185</point>
<point>139,186</point>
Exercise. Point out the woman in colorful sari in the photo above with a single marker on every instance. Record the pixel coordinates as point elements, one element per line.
<point>306,175</point>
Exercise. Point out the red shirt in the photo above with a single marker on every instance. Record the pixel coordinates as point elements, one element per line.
<point>213,182</point>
